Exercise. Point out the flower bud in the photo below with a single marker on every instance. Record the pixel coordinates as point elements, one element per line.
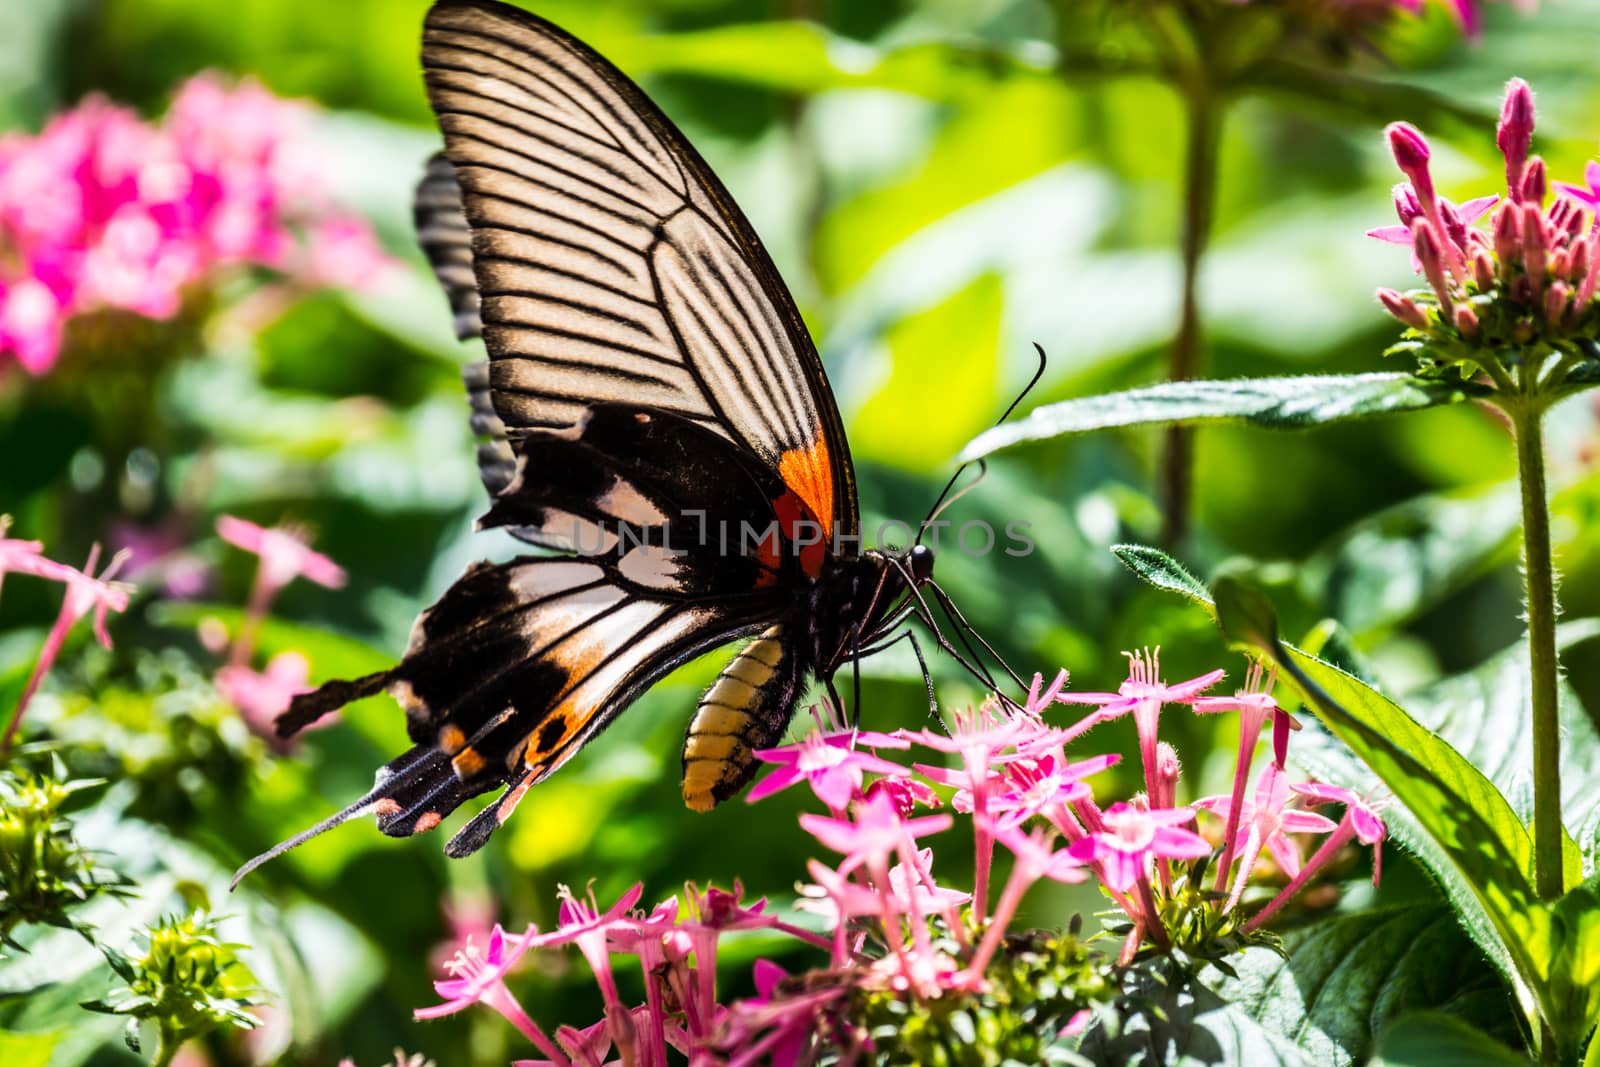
<point>1483,271</point>
<point>1578,262</point>
<point>1515,134</point>
<point>1555,303</point>
<point>1427,249</point>
<point>1535,246</point>
<point>1507,237</point>
<point>1403,308</point>
<point>1411,154</point>
<point>1166,776</point>
<point>1534,182</point>
<point>1405,203</point>
<point>1560,263</point>
<point>1466,322</point>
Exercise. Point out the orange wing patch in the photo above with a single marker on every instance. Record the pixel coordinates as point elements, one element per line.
<point>808,472</point>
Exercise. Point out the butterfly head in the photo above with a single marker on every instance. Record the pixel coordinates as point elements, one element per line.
<point>920,560</point>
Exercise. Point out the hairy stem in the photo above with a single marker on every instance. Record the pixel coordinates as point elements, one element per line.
<point>1204,110</point>
<point>1539,600</point>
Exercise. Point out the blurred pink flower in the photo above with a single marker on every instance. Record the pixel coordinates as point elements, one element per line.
<point>261,696</point>
<point>102,210</point>
<point>284,554</point>
<point>874,834</point>
<point>85,594</point>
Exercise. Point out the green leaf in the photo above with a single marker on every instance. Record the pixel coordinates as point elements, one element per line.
<point>1427,1039</point>
<point>1287,403</point>
<point>27,1050</point>
<point>1155,567</point>
<point>1469,835</point>
<point>1322,1003</point>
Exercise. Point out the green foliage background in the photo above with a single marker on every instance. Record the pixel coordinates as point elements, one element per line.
<point>940,192</point>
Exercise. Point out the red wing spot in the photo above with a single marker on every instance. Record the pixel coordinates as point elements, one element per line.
<point>798,525</point>
<point>386,807</point>
<point>426,821</point>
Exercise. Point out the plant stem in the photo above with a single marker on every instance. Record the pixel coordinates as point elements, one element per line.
<point>1204,110</point>
<point>1539,599</point>
<point>166,1046</point>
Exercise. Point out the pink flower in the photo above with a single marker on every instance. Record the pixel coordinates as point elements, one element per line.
<point>905,793</point>
<point>85,594</point>
<point>101,210</point>
<point>1269,822</point>
<point>1037,787</point>
<point>478,976</point>
<point>284,557</point>
<point>284,554</point>
<point>1134,839</point>
<point>1587,194</point>
<point>1144,694</point>
<point>262,696</point>
<point>1361,822</point>
<point>874,834</point>
<point>1254,703</point>
<point>829,763</point>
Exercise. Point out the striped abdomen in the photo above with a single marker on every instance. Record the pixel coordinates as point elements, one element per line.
<point>748,708</point>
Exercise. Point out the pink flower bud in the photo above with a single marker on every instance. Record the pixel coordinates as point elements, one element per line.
<point>1466,322</point>
<point>1535,246</point>
<point>1534,183</point>
<point>1578,265</point>
<point>1515,134</point>
<point>1405,202</point>
<point>1507,236</point>
<point>1403,308</point>
<point>1560,263</point>
<point>1555,303</point>
<point>1455,227</point>
<point>1591,277</point>
<point>1483,271</point>
<point>1426,246</point>
<point>1411,154</point>
<point>1166,776</point>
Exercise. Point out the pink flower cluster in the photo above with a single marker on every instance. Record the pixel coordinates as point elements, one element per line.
<point>102,210</point>
<point>1536,269</point>
<point>86,594</point>
<point>887,924</point>
<point>261,696</point>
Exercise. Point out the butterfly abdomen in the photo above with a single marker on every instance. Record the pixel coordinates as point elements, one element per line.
<point>746,709</point>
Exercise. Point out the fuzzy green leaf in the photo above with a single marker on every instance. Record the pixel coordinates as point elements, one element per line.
<point>1287,403</point>
<point>1322,1003</point>
<point>1155,567</point>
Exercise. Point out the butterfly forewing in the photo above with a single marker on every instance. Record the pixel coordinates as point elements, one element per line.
<point>611,263</point>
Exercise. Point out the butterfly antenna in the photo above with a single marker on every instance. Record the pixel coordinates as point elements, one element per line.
<point>973,666</point>
<point>364,806</point>
<point>941,503</point>
<point>949,605</point>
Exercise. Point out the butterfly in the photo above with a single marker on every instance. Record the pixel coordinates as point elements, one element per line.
<point>653,410</point>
